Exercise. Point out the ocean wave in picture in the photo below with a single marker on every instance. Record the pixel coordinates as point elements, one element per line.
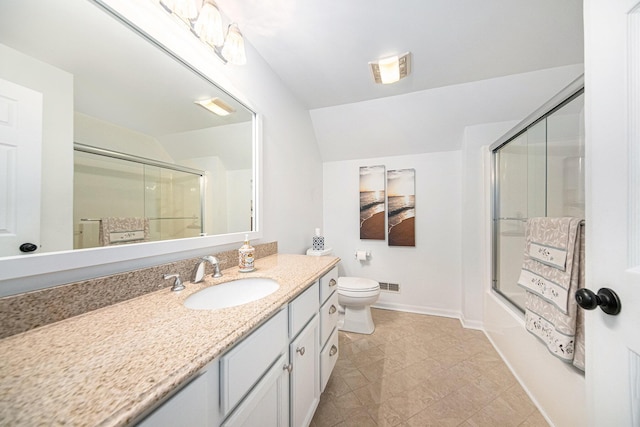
<point>372,202</point>
<point>401,202</point>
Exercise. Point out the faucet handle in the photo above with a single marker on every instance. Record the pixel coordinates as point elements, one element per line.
<point>177,285</point>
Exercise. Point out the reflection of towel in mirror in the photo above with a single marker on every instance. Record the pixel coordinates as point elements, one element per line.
<point>552,271</point>
<point>115,231</point>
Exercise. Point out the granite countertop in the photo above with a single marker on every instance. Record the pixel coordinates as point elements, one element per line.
<point>108,366</point>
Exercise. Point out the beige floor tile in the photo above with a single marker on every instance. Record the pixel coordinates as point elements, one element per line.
<point>535,420</point>
<point>384,415</point>
<point>354,379</point>
<point>336,386</point>
<point>418,370</point>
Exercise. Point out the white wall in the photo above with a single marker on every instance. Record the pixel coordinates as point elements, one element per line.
<point>429,273</point>
<point>56,228</point>
<point>476,255</point>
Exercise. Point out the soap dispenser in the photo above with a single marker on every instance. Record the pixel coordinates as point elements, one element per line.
<point>246,256</point>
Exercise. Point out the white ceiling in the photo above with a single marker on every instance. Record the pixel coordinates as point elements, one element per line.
<point>321,49</point>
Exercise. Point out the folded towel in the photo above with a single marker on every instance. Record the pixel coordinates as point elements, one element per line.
<point>123,230</point>
<point>551,279</point>
<point>548,267</point>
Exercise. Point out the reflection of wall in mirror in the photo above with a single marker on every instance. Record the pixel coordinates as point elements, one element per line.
<point>57,169</point>
<point>226,153</point>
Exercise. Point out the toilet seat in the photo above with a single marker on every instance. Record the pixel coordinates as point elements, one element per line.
<point>357,284</point>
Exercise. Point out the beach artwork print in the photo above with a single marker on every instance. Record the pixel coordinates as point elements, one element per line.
<point>401,199</point>
<point>372,196</point>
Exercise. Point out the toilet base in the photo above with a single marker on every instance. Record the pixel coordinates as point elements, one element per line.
<point>357,319</point>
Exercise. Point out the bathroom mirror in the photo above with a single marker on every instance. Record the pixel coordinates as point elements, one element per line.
<point>122,136</point>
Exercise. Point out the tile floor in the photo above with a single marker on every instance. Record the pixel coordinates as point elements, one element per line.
<point>418,370</point>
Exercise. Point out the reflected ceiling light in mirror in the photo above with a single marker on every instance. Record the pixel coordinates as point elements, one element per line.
<point>391,69</point>
<point>216,106</point>
<point>205,21</point>
<point>233,48</point>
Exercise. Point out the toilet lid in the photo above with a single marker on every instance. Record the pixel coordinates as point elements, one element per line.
<point>357,284</point>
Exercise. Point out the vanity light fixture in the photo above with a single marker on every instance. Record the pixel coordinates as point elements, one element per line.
<point>208,25</point>
<point>391,69</point>
<point>204,19</point>
<point>233,48</point>
<point>216,106</point>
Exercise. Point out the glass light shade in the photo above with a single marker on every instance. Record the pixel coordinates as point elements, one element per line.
<point>186,9</point>
<point>233,48</point>
<point>169,5</point>
<point>208,26</point>
<point>389,70</point>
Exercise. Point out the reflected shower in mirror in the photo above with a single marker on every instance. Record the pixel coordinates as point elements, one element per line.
<point>127,153</point>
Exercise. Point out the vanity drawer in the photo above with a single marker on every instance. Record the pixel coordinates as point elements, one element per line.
<point>328,284</point>
<point>328,317</point>
<point>244,365</point>
<point>328,359</point>
<point>302,309</point>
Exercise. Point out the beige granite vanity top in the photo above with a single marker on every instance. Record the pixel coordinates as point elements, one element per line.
<point>108,366</point>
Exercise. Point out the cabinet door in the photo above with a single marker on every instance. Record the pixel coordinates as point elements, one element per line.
<point>304,354</point>
<point>189,407</point>
<point>267,405</point>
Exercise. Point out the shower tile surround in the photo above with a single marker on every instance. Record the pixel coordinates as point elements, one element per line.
<point>30,310</point>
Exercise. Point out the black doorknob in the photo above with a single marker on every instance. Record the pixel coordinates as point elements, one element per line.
<point>28,247</point>
<point>607,299</point>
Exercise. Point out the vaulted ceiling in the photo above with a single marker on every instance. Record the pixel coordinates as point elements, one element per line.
<point>321,49</point>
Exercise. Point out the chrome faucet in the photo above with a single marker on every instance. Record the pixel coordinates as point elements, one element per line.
<point>198,272</point>
<point>177,285</point>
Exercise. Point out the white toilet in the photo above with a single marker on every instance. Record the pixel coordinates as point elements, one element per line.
<point>355,296</point>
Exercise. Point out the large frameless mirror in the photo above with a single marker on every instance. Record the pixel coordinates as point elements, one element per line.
<point>118,150</point>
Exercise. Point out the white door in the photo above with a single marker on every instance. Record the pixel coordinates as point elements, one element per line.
<point>612,118</point>
<point>20,143</point>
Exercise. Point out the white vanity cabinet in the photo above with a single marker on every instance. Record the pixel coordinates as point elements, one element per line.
<point>328,325</point>
<point>267,405</point>
<point>273,377</point>
<point>191,405</point>
<point>304,354</point>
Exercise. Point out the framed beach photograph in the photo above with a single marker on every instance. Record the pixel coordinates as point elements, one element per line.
<point>401,200</point>
<point>372,197</point>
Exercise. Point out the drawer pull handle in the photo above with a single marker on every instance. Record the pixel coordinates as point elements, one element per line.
<point>300,350</point>
<point>288,367</point>
<point>332,283</point>
<point>333,350</point>
<point>332,309</point>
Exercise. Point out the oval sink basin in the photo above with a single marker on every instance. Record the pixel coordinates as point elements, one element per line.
<point>231,294</point>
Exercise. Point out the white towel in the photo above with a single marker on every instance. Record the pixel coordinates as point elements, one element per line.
<point>115,231</point>
<point>552,271</point>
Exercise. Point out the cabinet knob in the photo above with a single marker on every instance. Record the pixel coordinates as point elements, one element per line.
<point>333,350</point>
<point>288,367</point>
<point>300,350</point>
<point>332,309</point>
<point>332,283</point>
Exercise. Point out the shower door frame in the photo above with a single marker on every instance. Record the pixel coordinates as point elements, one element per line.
<point>562,98</point>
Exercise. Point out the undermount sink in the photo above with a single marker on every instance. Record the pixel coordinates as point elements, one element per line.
<point>231,294</point>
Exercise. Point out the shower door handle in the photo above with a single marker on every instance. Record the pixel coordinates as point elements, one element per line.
<point>606,298</point>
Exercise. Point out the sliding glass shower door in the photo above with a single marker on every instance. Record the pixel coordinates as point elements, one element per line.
<point>539,171</point>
